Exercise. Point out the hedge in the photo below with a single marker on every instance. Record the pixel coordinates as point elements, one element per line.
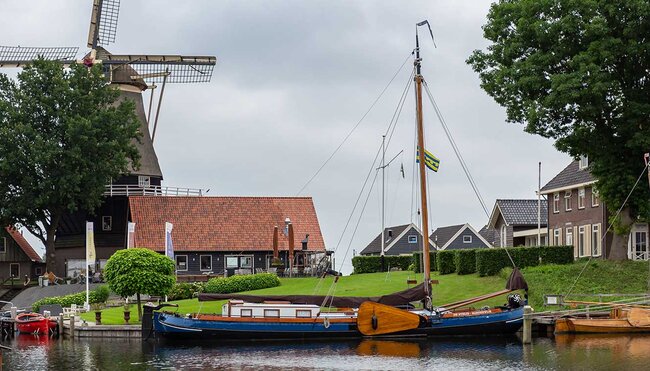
<point>372,264</point>
<point>446,261</point>
<point>490,261</point>
<point>98,295</point>
<point>241,283</point>
<point>465,261</point>
<point>556,255</point>
<point>432,261</point>
<point>186,290</point>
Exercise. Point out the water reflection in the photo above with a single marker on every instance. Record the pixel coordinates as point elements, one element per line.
<point>602,352</point>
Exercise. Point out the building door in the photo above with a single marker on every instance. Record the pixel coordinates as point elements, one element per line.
<point>14,270</point>
<point>640,242</point>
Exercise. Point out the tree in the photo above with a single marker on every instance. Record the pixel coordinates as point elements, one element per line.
<point>577,72</point>
<point>140,271</point>
<point>63,137</point>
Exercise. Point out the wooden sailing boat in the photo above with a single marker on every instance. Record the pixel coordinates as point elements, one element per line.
<point>254,317</point>
<point>622,318</point>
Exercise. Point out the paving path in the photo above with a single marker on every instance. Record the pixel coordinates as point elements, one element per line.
<point>26,298</point>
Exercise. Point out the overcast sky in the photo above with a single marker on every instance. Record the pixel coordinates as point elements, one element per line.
<point>292,79</point>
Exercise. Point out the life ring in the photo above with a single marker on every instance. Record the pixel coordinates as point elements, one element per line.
<point>326,322</point>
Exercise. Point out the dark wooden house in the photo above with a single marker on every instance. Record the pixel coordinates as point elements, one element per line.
<point>218,234</point>
<point>17,257</point>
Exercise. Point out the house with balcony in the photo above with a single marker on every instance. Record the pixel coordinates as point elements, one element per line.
<point>515,222</point>
<point>577,217</point>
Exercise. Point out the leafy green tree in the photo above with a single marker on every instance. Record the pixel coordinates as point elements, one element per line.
<point>139,271</point>
<point>63,136</point>
<point>577,72</point>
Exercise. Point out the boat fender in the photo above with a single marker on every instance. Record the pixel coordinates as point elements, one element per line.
<point>374,322</point>
<point>326,322</point>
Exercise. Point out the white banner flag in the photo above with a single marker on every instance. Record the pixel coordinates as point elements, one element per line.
<point>169,246</point>
<point>90,244</point>
<point>130,239</point>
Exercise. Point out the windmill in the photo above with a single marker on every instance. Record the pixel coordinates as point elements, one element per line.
<point>133,74</point>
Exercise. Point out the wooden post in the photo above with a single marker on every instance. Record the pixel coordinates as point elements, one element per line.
<point>528,324</point>
<point>72,326</point>
<point>276,254</point>
<point>290,232</point>
<point>60,323</point>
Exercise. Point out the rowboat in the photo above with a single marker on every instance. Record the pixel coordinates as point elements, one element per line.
<point>34,323</point>
<point>620,320</point>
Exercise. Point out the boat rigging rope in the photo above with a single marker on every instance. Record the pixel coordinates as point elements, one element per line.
<point>355,127</point>
<point>611,223</point>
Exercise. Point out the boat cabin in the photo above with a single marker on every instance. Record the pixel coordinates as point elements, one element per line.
<point>269,309</point>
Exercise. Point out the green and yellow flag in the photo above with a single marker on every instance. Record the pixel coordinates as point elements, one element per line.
<point>431,161</point>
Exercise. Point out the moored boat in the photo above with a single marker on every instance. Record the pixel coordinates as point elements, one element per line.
<point>35,323</point>
<point>620,320</point>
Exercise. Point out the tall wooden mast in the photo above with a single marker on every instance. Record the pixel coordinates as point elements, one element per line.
<point>423,178</point>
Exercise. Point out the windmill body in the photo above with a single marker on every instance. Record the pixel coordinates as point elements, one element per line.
<point>133,75</point>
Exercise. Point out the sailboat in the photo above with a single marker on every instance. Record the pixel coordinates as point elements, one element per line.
<point>257,317</point>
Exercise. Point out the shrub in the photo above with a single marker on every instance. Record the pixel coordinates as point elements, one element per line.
<point>445,260</point>
<point>465,261</point>
<point>98,295</point>
<point>556,254</point>
<point>372,264</point>
<point>432,261</point>
<point>490,261</point>
<point>185,290</point>
<point>241,283</point>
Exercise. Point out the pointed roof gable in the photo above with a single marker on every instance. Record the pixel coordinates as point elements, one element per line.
<point>446,235</point>
<point>24,245</point>
<point>571,176</point>
<point>223,223</point>
<point>374,247</point>
<point>518,212</point>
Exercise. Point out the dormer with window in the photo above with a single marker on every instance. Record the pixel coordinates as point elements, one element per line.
<point>584,162</point>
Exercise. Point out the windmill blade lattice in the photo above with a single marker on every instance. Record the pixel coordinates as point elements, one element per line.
<point>17,56</point>
<point>103,22</point>
<point>182,69</point>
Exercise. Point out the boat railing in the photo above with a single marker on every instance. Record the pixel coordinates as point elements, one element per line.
<point>136,190</point>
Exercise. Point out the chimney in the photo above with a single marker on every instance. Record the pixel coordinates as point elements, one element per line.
<point>305,241</point>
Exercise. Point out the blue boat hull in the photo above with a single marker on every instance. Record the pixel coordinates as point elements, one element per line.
<point>174,326</point>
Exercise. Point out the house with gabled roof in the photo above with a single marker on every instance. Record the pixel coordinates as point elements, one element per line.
<point>399,240</point>
<point>515,223</point>
<point>456,237</point>
<point>17,256</point>
<point>577,216</point>
<point>225,234</point>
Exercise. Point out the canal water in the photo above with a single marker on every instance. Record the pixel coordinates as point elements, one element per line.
<point>609,352</point>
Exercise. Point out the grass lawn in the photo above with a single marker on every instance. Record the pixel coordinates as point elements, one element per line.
<point>452,287</point>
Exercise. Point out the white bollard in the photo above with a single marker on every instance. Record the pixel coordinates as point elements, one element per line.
<point>13,312</point>
<point>528,324</point>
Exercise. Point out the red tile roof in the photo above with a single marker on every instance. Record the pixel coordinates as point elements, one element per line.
<point>24,245</point>
<point>223,223</point>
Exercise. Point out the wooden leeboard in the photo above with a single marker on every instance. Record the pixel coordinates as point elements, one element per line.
<point>639,317</point>
<point>388,319</point>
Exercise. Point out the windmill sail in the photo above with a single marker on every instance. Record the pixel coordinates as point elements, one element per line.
<point>18,56</point>
<point>103,22</point>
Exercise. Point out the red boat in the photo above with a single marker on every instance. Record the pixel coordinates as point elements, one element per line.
<point>34,323</point>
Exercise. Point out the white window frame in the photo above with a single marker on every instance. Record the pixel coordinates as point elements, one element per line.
<point>557,237</point>
<point>201,263</point>
<point>596,240</point>
<point>467,239</point>
<point>187,263</point>
<point>595,201</point>
<point>413,238</point>
<point>569,233</point>
<point>582,239</point>
<point>144,181</point>
<point>107,223</point>
<point>556,202</point>
<point>3,247</point>
<point>583,162</point>
<point>581,198</point>
<point>504,235</point>
<point>567,200</point>
<point>246,312</point>
<point>303,313</point>
<point>14,264</point>
<point>271,313</point>
<point>229,266</point>
<point>241,262</point>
